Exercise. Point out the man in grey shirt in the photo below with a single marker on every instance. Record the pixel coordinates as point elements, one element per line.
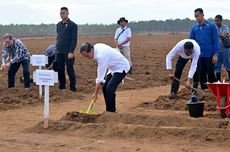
<point>223,53</point>
<point>50,53</point>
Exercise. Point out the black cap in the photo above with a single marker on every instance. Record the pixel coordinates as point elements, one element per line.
<point>122,19</point>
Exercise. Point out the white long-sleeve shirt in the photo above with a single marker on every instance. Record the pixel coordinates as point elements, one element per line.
<point>179,49</point>
<point>109,59</point>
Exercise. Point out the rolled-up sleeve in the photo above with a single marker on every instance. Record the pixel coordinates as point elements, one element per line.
<point>116,34</point>
<point>193,66</point>
<point>101,71</point>
<point>170,57</point>
<point>4,54</point>
<point>129,33</point>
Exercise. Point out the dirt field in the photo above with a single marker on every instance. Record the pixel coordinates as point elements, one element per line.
<point>147,120</point>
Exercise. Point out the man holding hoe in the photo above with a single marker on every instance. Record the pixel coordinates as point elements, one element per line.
<point>187,49</point>
<point>112,68</point>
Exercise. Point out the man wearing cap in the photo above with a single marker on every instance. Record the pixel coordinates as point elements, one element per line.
<point>186,49</point>
<point>108,59</point>
<point>122,39</point>
<point>19,55</point>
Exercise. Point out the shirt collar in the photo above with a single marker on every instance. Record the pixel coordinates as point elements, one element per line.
<point>204,24</point>
<point>66,22</point>
<point>123,28</point>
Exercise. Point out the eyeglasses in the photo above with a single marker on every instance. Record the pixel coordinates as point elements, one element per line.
<point>217,20</point>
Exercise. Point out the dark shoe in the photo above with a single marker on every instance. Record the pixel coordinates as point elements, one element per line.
<point>27,91</point>
<point>62,88</point>
<point>173,95</point>
<point>73,89</point>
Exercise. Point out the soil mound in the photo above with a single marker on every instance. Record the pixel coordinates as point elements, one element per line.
<point>17,97</point>
<point>130,125</point>
<point>165,103</point>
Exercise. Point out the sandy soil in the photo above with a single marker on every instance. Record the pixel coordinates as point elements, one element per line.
<point>147,120</point>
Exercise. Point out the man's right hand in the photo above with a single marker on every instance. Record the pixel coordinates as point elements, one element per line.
<point>170,74</point>
<point>3,66</point>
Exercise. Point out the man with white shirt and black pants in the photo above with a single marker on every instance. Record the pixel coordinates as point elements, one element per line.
<point>187,49</point>
<point>122,39</point>
<point>108,59</point>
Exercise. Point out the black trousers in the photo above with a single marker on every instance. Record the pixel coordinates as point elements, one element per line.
<point>13,70</point>
<point>204,73</point>
<point>60,61</point>
<point>181,62</point>
<point>109,88</point>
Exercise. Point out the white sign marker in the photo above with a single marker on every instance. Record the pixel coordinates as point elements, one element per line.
<point>46,78</point>
<point>39,60</point>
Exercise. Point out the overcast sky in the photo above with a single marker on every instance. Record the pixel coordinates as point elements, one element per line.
<point>106,11</point>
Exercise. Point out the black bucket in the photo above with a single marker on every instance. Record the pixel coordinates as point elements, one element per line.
<point>196,109</point>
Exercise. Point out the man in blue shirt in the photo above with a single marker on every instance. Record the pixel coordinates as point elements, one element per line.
<point>206,35</point>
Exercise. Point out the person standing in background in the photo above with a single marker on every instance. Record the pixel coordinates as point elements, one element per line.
<point>224,52</point>
<point>67,32</point>
<point>122,39</point>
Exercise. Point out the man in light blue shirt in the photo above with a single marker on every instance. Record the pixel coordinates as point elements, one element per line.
<point>223,53</point>
<point>206,35</point>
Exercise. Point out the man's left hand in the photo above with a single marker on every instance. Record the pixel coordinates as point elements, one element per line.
<point>188,82</point>
<point>214,59</point>
<point>70,56</point>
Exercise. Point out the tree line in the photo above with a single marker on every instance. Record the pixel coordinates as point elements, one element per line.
<point>152,26</point>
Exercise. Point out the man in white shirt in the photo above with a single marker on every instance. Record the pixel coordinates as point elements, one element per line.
<point>122,39</point>
<point>187,49</point>
<point>108,59</point>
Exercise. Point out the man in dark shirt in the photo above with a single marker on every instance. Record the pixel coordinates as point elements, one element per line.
<point>66,43</point>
